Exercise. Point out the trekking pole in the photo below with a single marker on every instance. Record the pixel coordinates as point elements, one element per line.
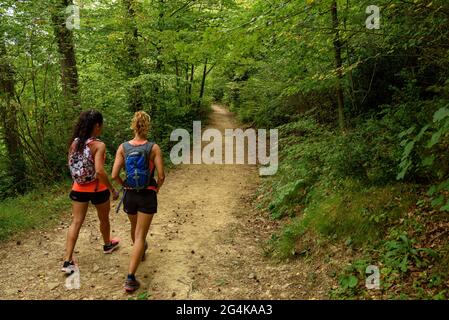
<point>121,200</point>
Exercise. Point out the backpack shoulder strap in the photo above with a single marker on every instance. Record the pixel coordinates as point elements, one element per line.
<point>77,141</point>
<point>90,140</point>
<point>127,147</point>
<point>148,147</point>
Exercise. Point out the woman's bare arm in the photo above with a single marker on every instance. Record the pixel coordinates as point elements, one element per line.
<point>159,163</point>
<point>118,165</point>
<point>99,168</point>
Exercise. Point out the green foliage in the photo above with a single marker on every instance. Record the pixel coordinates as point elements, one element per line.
<point>425,153</point>
<point>401,254</point>
<point>274,63</point>
<point>155,56</point>
<point>351,280</point>
<point>33,210</point>
<point>360,216</point>
<point>343,185</point>
<point>141,296</point>
<point>312,153</point>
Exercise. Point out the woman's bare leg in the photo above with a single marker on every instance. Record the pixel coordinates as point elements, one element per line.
<point>79,210</point>
<point>142,227</point>
<point>133,219</point>
<point>103,215</point>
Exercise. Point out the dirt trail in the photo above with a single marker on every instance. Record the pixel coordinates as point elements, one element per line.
<point>205,243</point>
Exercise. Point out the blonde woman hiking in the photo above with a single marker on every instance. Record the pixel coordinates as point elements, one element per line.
<point>140,158</point>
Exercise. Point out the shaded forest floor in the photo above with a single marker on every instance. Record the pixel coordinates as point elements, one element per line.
<point>206,242</point>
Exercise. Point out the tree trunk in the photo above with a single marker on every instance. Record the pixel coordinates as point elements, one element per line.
<point>352,95</point>
<point>203,83</point>
<point>66,47</point>
<point>178,86</point>
<point>133,70</point>
<point>186,87</point>
<point>159,63</point>
<point>8,115</point>
<point>189,92</point>
<point>158,70</point>
<point>338,64</point>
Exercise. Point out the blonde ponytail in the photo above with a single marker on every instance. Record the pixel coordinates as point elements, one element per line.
<point>141,123</point>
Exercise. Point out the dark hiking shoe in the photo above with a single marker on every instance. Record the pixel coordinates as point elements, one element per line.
<point>68,267</point>
<point>109,248</point>
<point>131,284</point>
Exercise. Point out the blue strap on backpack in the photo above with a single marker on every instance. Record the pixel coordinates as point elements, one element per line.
<point>121,200</point>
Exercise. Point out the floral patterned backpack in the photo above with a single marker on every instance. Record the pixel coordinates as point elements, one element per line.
<point>82,164</point>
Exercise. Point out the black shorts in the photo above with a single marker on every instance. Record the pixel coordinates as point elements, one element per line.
<point>144,201</point>
<point>94,197</point>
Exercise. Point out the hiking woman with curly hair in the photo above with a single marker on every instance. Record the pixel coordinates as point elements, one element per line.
<point>140,158</point>
<point>86,158</point>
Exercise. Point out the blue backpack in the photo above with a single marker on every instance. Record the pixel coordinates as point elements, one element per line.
<point>138,175</point>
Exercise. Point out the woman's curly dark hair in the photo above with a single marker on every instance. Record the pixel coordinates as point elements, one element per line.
<point>84,127</point>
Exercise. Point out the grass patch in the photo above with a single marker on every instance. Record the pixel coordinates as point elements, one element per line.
<point>141,296</point>
<point>387,228</point>
<point>36,209</point>
<point>353,214</point>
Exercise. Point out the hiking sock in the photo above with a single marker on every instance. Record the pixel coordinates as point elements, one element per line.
<point>131,277</point>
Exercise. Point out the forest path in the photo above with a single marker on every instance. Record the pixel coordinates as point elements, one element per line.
<point>205,243</point>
